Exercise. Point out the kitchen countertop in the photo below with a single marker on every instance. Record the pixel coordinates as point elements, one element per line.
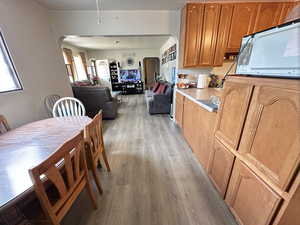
<point>196,94</point>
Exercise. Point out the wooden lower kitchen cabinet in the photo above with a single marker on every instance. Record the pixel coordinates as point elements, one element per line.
<point>220,166</point>
<point>232,112</point>
<point>270,138</point>
<point>250,200</point>
<point>205,128</point>
<point>191,126</point>
<point>179,109</point>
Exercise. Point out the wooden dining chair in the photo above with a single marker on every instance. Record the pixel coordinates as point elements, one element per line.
<point>67,170</point>
<point>49,102</point>
<point>95,147</point>
<point>68,106</point>
<point>4,127</point>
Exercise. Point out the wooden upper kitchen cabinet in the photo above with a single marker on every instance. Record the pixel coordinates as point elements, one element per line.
<point>271,138</point>
<point>250,200</point>
<point>179,109</point>
<point>287,8</point>
<point>220,166</point>
<point>209,34</point>
<point>232,113</point>
<point>242,23</point>
<point>268,15</point>
<point>223,33</point>
<point>190,38</point>
<point>199,30</point>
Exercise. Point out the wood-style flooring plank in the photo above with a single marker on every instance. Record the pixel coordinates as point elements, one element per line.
<point>155,178</point>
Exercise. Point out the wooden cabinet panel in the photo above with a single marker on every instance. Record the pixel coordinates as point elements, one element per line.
<point>223,33</point>
<point>209,34</point>
<point>189,117</point>
<point>268,15</point>
<point>221,162</point>
<point>242,23</point>
<point>204,128</point>
<point>232,112</point>
<point>194,21</point>
<point>250,200</point>
<point>271,138</point>
<point>285,10</point>
<point>179,109</point>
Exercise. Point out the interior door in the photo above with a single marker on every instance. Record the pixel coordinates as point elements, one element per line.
<point>271,138</point>
<point>151,68</point>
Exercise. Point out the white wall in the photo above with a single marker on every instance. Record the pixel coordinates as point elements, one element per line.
<point>122,55</point>
<point>134,22</point>
<point>166,69</point>
<point>37,57</point>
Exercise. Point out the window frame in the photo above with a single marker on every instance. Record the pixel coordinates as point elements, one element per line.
<point>11,65</point>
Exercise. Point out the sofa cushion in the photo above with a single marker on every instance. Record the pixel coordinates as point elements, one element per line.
<point>156,86</point>
<point>161,89</point>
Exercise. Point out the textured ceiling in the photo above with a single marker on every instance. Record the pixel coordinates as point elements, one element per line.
<point>123,4</point>
<point>141,42</point>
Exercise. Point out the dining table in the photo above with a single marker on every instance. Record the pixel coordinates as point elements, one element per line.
<point>27,146</point>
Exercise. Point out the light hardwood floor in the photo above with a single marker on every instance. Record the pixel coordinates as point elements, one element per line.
<point>155,178</point>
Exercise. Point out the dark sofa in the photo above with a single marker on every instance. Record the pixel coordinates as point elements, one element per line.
<point>157,102</point>
<point>96,98</point>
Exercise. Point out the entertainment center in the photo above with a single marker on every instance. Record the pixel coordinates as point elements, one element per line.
<point>129,82</point>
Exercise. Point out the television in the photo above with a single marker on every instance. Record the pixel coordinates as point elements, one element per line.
<point>130,75</point>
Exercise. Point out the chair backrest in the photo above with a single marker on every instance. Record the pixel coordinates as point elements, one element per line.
<point>49,103</point>
<point>4,127</point>
<point>94,136</point>
<point>68,106</point>
<point>67,170</point>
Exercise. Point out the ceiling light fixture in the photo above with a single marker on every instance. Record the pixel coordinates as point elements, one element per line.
<point>98,3</point>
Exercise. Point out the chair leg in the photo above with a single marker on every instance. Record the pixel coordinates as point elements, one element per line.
<point>105,160</point>
<point>97,180</point>
<point>90,193</point>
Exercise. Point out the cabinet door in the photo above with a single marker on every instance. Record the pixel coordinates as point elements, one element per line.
<point>268,15</point>
<point>205,123</point>
<point>194,20</point>
<point>271,137</point>
<point>242,23</point>
<point>232,113</point>
<point>285,10</point>
<point>209,34</point>
<point>223,33</point>
<point>249,199</point>
<point>189,122</point>
<point>221,162</point>
<point>179,109</point>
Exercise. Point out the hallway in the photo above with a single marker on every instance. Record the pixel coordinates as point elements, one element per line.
<point>155,178</point>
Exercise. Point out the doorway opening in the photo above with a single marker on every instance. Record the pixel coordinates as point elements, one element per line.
<point>151,70</point>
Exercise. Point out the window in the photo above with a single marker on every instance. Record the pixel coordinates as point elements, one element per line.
<point>81,74</point>
<point>9,80</point>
